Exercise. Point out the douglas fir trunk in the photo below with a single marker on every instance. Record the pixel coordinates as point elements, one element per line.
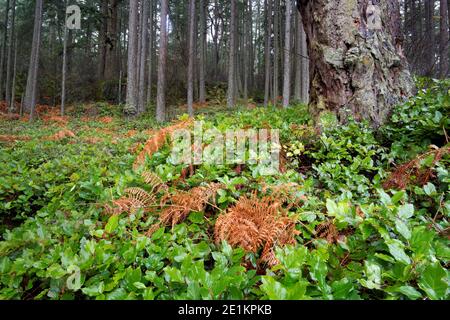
<point>357,67</point>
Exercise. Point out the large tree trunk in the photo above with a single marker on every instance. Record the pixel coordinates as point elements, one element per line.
<point>355,70</point>
<point>132,79</point>
<point>162,61</point>
<point>30,93</point>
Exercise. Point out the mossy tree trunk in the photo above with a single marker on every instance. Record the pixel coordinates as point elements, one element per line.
<point>355,69</point>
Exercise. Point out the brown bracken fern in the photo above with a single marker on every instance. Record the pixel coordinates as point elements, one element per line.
<point>180,204</point>
<point>287,194</point>
<point>413,172</point>
<point>158,140</point>
<point>327,230</point>
<point>255,223</point>
<point>138,198</point>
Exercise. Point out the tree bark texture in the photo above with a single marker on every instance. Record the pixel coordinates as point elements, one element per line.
<point>355,70</point>
<point>162,61</point>
<point>31,88</point>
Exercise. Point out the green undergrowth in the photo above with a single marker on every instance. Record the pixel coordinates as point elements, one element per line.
<point>57,243</point>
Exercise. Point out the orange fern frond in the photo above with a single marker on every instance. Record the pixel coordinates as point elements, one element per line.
<point>182,203</point>
<point>412,172</point>
<point>327,230</point>
<point>65,133</point>
<point>140,195</point>
<point>157,141</point>
<point>12,138</point>
<point>255,223</point>
<point>122,205</point>
<point>286,193</point>
<point>133,200</point>
<point>152,180</point>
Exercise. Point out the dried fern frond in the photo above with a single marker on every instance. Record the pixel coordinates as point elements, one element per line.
<point>65,133</point>
<point>255,223</point>
<point>133,200</point>
<point>12,138</point>
<point>182,203</point>
<point>412,171</point>
<point>157,141</point>
<point>140,195</point>
<point>327,230</point>
<point>153,181</point>
<point>286,193</point>
<point>122,205</point>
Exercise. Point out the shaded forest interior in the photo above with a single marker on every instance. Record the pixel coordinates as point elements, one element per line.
<point>210,50</point>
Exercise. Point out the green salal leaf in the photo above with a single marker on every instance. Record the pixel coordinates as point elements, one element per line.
<point>403,229</point>
<point>406,211</point>
<point>397,250</point>
<point>113,223</point>
<point>434,281</point>
<point>406,290</point>
<point>273,289</point>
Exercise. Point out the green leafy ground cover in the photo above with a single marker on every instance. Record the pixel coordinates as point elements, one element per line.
<point>57,242</point>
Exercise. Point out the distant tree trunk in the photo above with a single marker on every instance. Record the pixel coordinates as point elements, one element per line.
<point>111,47</point>
<point>143,59</point>
<point>251,44</point>
<point>245,51</point>
<point>301,62</point>
<point>448,18</point>
<point>196,61</point>
<point>10,53</point>
<point>190,75</point>
<point>202,64</point>
<point>31,89</point>
<point>150,54</point>
<point>259,44</point>
<point>267,51</point>
<point>430,59</point>
<point>162,61</point>
<point>287,55</point>
<point>298,57</point>
<point>355,70</point>
<point>69,51</point>
<point>13,87</point>
<point>232,58</point>
<point>444,39</point>
<point>132,94</point>
<point>4,46</point>
<point>276,51</point>
<point>215,40</point>
<point>103,38</point>
<point>64,67</point>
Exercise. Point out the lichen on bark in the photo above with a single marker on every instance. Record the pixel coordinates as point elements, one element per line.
<point>355,71</point>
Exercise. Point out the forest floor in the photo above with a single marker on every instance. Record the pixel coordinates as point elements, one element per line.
<point>92,207</point>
